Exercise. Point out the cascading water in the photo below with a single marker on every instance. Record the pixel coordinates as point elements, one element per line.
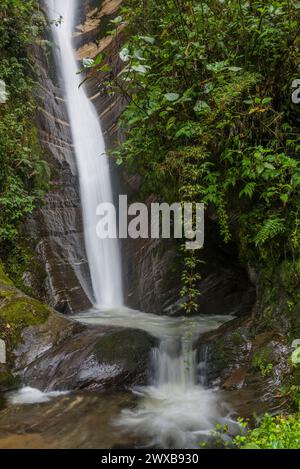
<point>175,410</point>
<point>92,162</point>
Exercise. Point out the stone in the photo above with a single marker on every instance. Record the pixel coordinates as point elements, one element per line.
<point>65,355</point>
<point>251,366</point>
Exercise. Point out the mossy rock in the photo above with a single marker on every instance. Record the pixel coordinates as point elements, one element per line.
<point>21,312</point>
<point>85,358</point>
<point>7,380</point>
<point>3,277</point>
<point>17,311</point>
<point>126,348</point>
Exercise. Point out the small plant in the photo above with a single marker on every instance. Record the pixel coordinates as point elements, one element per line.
<point>295,358</point>
<point>279,432</point>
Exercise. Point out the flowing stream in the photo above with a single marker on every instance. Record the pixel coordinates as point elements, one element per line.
<point>92,162</point>
<point>175,409</point>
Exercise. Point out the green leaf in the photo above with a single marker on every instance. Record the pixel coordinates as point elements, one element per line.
<point>201,106</point>
<point>250,446</point>
<point>217,66</point>
<point>171,96</point>
<point>296,356</point>
<point>235,69</point>
<point>269,230</point>
<point>284,198</point>
<point>88,63</point>
<point>248,190</point>
<point>98,59</point>
<point>105,68</point>
<point>124,54</point>
<point>148,39</point>
<point>139,68</point>
<point>269,166</point>
<point>117,20</point>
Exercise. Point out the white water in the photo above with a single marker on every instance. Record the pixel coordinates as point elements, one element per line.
<point>175,410</point>
<point>93,166</point>
<point>28,395</point>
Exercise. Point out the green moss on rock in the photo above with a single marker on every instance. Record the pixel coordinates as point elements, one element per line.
<point>17,311</point>
<point>125,348</point>
<point>3,277</point>
<point>7,380</point>
<point>21,312</point>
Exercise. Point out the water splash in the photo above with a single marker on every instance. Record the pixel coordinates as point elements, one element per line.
<point>174,411</point>
<point>28,395</point>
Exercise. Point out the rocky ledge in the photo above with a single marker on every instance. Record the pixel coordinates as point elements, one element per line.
<point>50,351</point>
<point>251,364</point>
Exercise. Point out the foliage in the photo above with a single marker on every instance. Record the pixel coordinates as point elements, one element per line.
<point>24,175</point>
<point>279,432</point>
<point>209,115</point>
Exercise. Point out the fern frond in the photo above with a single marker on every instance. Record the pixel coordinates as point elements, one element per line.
<point>269,230</point>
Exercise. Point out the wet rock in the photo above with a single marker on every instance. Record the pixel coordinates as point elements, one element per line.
<point>8,381</point>
<point>78,420</point>
<point>236,380</point>
<point>240,359</point>
<point>17,311</point>
<point>56,228</point>
<point>66,355</point>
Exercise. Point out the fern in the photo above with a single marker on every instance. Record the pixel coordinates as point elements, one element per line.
<point>269,230</point>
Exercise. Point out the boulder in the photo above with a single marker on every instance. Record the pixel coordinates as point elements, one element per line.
<point>251,365</point>
<point>80,357</point>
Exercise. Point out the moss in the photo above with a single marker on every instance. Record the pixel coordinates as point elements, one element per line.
<point>6,294</point>
<point>21,260</point>
<point>7,380</point>
<point>237,339</point>
<point>124,347</point>
<point>22,312</point>
<point>3,277</point>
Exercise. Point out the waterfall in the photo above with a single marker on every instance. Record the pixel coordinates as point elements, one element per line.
<point>174,411</point>
<point>93,165</point>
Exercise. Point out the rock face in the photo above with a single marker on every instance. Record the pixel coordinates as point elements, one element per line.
<point>17,311</point>
<point>247,362</point>
<point>57,225</point>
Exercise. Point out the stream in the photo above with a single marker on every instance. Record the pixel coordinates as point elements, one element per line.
<point>175,409</point>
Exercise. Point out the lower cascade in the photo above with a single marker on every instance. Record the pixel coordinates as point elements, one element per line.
<point>174,410</point>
